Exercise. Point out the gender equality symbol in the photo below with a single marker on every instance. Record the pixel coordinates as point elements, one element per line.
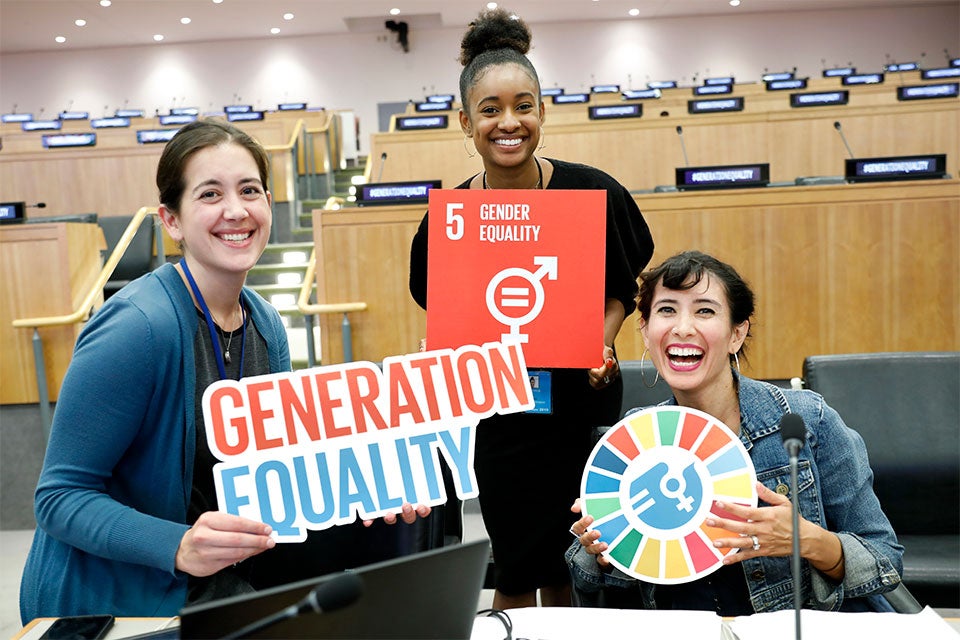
<point>650,484</point>
<point>529,298</point>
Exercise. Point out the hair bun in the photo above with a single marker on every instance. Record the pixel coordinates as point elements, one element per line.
<point>494,29</point>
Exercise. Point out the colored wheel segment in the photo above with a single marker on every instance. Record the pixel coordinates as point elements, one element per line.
<point>650,483</point>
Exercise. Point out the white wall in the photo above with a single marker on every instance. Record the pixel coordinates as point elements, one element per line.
<point>358,71</point>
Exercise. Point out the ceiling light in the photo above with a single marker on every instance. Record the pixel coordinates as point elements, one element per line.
<point>158,37</point>
<point>491,5</point>
<point>184,20</point>
<point>734,3</point>
<point>394,11</point>
<point>275,30</point>
<point>80,23</point>
<point>217,1</point>
<point>60,39</point>
<point>634,12</point>
<point>288,16</point>
<point>105,3</point>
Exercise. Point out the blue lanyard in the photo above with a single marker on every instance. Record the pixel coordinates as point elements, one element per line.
<point>221,367</point>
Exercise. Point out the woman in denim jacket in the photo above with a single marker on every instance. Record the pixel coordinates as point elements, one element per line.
<point>695,316</point>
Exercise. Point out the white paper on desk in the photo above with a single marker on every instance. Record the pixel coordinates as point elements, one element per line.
<point>829,625</point>
<point>578,623</point>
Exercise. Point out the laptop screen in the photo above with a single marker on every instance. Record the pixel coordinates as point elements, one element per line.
<point>432,594</point>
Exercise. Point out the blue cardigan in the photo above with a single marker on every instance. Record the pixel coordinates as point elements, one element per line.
<point>112,499</point>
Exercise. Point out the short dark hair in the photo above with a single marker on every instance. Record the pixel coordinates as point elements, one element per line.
<point>685,270</point>
<point>195,137</point>
<point>496,37</point>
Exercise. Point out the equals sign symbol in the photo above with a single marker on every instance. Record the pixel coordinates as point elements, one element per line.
<point>515,297</point>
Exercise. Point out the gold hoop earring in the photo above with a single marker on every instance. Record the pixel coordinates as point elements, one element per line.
<point>542,143</point>
<point>642,377</point>
<point>469,155</point>
<point>736,359</point>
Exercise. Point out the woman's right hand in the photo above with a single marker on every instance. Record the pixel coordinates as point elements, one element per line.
<point>589,539</point>
<point>218,540</point>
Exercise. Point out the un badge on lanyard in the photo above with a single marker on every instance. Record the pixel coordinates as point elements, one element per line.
<point>542,388</point>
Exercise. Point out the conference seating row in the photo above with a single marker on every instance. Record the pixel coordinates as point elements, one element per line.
<point>906,406</point>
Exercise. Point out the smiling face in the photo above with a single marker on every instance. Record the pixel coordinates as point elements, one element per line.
<point>690,336</point>
<point>223,219</point>
<point>503,115</point>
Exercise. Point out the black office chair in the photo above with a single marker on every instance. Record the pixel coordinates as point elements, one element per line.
<point>137,260</point>
<point>906,406</point>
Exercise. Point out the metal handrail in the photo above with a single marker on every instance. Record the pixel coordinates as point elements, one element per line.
<point>309,309</point>
<point>77,315</point>
<point>86,305</point>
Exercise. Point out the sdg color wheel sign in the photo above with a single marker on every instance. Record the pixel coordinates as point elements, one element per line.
<point>650,483</point>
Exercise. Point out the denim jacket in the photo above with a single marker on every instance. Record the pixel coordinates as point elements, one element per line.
<point>835,483</point>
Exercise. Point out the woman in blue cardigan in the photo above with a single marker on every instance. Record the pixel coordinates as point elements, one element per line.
<point>125,524</point>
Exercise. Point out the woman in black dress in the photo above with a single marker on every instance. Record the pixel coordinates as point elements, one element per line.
<point>528,466</point>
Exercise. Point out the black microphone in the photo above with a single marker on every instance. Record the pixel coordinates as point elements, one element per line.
<point>794,433</point>
<point>331,595</point>
<point>836,125</point>
<point>686,161</point>
<point>39,205</point>
<point>383,160</point>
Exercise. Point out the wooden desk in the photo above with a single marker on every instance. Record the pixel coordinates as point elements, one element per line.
<point>47,269</point>
<point>836,269</point>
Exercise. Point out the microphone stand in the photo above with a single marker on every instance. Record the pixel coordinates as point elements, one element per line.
<point>795,556</point>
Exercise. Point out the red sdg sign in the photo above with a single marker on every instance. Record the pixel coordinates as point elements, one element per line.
<point>527,266</point>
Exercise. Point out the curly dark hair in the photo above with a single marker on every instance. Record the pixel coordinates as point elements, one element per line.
<point>496,37</point>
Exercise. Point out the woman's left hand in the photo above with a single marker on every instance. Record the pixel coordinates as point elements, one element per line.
<point>764,531</point>
<point>408,513</point>
<point>606,373</point>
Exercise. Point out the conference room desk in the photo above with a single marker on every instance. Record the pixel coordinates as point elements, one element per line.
<point>561,623</point>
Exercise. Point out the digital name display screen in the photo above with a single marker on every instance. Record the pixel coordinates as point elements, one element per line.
<point>723,176</point>
<point>58,140</point>
<point>240,116</point>
<point>839,72</point>
<point>719,80</point>
<point>11,212</point>
<point>177,118</point>
<point>642,94</point>
<point>784,85</point>
<point>416,123</point>
<point>441,97</point>
<point>17,117</point>
<point>384,193</point>
<point>433,106</point>
<point>923,167</point>
<point>551,91</point>
<point>292,106</point>
<point>819,99</point>
<point>128,113</point>
<point>41,125</point>
<point>107,123</point>
<point>152,136</point>
<point>615,111</point>
<point>238,108</point>
<point>74,115</point>
<point>902,66</point>
<point>605,88</point>
<point>864,78</point>
<point>571,98</point>
<point>712,89</point>
<point>715,106</point>
<point>771,77</point>
<point>662,84</point>
<point>936,74</point>
<point>185,111</point>
<point>928,91</point>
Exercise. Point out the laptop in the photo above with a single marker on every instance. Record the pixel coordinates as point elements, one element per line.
<point>431,594</point>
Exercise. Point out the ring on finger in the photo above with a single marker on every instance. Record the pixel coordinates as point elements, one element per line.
<point>756,543</point>
<point>606,379</point>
